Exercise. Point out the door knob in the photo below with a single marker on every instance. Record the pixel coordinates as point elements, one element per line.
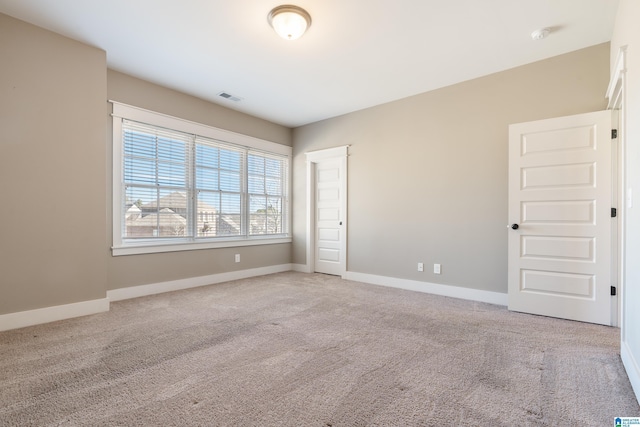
<point>514,226</point>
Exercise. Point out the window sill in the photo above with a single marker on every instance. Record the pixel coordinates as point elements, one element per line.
<point>156,247</point>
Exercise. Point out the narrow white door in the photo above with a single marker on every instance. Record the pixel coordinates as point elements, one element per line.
<point>329,216</point>
<point>560,217</point>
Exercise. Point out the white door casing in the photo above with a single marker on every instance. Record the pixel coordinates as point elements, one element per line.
<point>560,198</point>
<point>327,207</point>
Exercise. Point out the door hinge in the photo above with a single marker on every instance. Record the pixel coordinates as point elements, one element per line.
<point>614,133</point>
<point>614,212</point>
<point>613,291</point>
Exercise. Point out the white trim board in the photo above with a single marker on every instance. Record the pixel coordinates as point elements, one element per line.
<point>430,288</point>
<point>617,75</point>
<point>39,316</point>
<point>193,282</point>
<point>61,312</point>
<point>301,268</point>
<point>632,368</point>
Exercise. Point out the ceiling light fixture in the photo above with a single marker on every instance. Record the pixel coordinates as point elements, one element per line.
<point>290,22</point>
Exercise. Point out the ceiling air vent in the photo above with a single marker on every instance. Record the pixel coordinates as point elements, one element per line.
<point>230,97</point>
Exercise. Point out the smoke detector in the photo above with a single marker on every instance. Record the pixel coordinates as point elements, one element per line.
<point>540,33</point>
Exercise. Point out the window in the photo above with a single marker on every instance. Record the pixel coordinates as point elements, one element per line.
<point>180,185</point>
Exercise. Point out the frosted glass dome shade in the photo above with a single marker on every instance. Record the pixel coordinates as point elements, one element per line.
<point>290,22</point>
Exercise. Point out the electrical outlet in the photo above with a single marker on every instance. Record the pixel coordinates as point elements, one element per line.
<point>237,257</point>
<point>421,266</point>
<point>436,268</point>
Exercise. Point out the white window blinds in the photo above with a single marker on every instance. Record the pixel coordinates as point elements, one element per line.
<point>219,187</point>
<point>156,182</point>
<point>266,191</point>
<point>179,186</point>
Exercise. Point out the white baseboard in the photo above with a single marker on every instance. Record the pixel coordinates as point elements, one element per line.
<point>301,268</point>
<point>38,316</point>
<point>192,282</point>
<point>67,311</point>
<point>430,288</point>
<point>632,367</point>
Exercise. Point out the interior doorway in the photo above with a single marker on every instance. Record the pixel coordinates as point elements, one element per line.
<point>327,211</point>
<point>560,210</point>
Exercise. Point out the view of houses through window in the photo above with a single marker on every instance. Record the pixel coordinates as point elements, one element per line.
<point>178,185</point>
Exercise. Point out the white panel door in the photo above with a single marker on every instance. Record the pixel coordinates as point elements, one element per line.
<point>560,217</point>
<point>329,215</point>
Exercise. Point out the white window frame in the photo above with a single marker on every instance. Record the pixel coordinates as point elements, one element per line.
<point>127,112</point>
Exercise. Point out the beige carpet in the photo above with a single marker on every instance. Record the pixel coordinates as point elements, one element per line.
<point>295,349</point>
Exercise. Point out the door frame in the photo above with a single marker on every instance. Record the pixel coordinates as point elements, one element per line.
<point>313,158</point>
<point>616,96</point>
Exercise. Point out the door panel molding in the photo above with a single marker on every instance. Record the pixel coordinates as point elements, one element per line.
<point>560,195</point>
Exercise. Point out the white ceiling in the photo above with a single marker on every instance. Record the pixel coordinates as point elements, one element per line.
<point>357,53</point>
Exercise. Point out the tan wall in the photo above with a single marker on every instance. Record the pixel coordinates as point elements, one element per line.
<point>627,33</point>
<point>427,175</point>
<point>132,270</point>
<point>55,179</point>
<point>140,93</point>
<point>52,169</point>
